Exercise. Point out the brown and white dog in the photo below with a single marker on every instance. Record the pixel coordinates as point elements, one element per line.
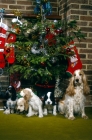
<point>75,96</point>
<point>22,105</point>
<point>30,101</point>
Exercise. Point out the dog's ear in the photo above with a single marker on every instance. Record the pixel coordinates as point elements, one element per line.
<point>70,90</point>
<point>86,88</point>
<point>27,95</point>
<point>26,105</point>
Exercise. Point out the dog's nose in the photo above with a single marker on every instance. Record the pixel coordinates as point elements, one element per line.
<point>77,80</point>
<point>48,102</point>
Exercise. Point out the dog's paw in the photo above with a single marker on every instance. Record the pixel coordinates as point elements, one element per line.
<point>54,113</point>
<point>71,118</point>
<point>7,111</point>
<point>41,116</point>
<point>85,117</point>
<point>30,114</point>
<point>12,111</point>
<point>45,113</point>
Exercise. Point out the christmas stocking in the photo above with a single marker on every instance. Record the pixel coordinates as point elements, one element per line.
<point>2,60</point>
<point>9,49</point>
<point>74,61</point>
<point>3,29</point>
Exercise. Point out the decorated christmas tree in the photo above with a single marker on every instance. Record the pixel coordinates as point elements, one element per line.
<point>42,46</point>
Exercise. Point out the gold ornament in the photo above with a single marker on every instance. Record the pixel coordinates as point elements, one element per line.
<point>38,16</point>
<point>17,13</point>
<point>19,48</point>
<point>28,48</point>
<point>28,64</point>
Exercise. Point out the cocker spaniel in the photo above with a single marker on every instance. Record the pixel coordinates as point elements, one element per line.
<point>22,106</point>
<point>75,96</point>
<point>49,104</point>
<point>11,100</point>
<point>30,101</point>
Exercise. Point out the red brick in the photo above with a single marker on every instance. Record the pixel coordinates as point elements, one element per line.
<point>85,51</point>
<point>81,45</point>
<point>89,67</point>
<point>83,66</point>
<point>24,2</point>
<point>89,56</point>
<point>86,29</point>
<point>82,55</point>
<point>86,61</point>
<point>89,45</point>
<point>74,6</point>
<point>90,23</point>
<point>74,17</point>
<point>79,12</point>
<point>8,1</point>
<point>30,7</point>
<point>3,6</point>
<point>16,7</point>
<point>86,18</point>
<point>79,1</point>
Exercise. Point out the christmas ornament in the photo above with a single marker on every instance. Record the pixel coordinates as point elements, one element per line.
<point>17,13</point>
<point>2,10</point>
<point>11,38</point>
<point>45,8</point>
<point>7,49</point>
<point>34,50</point>
<point>51,39</point>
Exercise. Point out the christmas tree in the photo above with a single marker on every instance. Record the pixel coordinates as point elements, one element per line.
<point>42,46</point>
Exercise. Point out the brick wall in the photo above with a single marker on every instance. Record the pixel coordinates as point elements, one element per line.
<point>25,6</point>
<point>81,10</point>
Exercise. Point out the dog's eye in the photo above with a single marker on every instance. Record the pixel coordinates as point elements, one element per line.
<point>80,74</point>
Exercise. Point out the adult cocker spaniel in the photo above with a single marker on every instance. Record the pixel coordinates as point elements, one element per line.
<point>75,96</point>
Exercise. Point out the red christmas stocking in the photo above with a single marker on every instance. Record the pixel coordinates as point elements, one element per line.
<point>3,29</point>
<point>9,49</point>
<point>74,61</point>
<point>2,60</point>
<point>11,57</point>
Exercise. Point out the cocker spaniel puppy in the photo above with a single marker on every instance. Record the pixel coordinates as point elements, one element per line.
<point>22,105</point>
<point>49,104</point>
<point>11,100</point>
<point>32,101</point>
<point>75,96</point>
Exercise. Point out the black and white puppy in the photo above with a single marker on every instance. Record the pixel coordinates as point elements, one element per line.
<point>49,105</point>
<point>11,100</point>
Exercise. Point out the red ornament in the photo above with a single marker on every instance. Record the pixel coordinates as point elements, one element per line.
<point>47,30</point>
<point>58,31</point>
<point>7,50</point>
<point>11,38</point>
<point>42,64</point>
<point>51,39</point>
<point>68,50</point>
